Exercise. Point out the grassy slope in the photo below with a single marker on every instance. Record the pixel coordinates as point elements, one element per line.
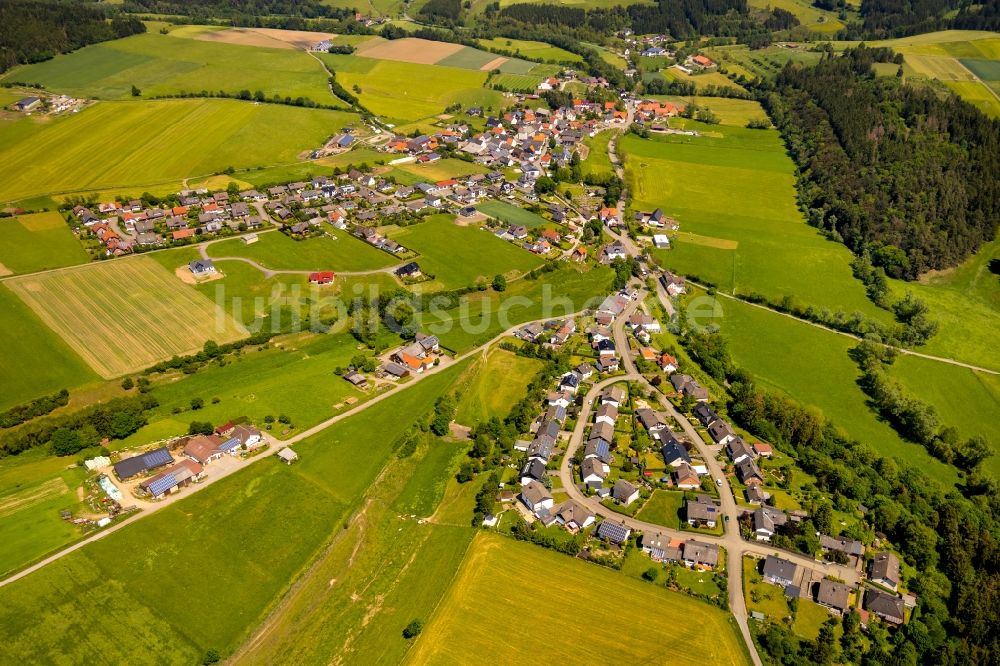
<point>122,144</point>
<point>511,214</point>
<point>35,361</point>
<point>493,384</point>
<point>167,64</point>
<point>812,366</point>
<point>37,242</point>
<point>597,161</point>
<point>494,570</point>
<point>739,185</point>
<point>127,575</point>
<point>279,252</point>
<point>460,256</point>
<point>532,49</point>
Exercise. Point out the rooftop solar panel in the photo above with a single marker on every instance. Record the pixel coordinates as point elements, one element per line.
<point>162,485</point>
<point>156,458</point>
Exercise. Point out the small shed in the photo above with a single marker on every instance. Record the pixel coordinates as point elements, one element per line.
<point>288,455</point>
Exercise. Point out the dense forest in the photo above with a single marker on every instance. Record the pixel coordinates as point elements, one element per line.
<point>949,535</point>
<point>893,170</point>
<point>230,8</point>
<point>31,31</point>
<point>898,18</point>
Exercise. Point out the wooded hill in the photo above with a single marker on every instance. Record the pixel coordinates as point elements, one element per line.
<point>888,168</point>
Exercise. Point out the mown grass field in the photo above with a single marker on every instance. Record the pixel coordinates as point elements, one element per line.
<point>817,20</point>
<point>812,366</point>
<point>34,488</point>
<point>598,162</point>
<point>130,578</point>
<point>404,92</point>
<point>460,256</point>
<point>731,111</point>
<point>466,621</point>
<point>493,384</point>
<point>168,64</point>
<point>531,49</point>
<point>738,185</point>
<point>35,361</point>
<point>116,145</point>
<point>277,251</point>
<point>125,315</point>
<point>38,242</point>
<point>411,172</point>
<point>701,80</point>
<point>664,507</point>
<point>511,214</point>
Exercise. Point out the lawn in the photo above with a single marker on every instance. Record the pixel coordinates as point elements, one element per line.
<point>494,568</point>
<point>493,384</point>
<point>38,242</point>
<point>168,64</point>
<point>664,507</point>
<point>511,214</point>
<point>811,365</point>
<point>530,49</point>
<point>770,600</point>
<point>731,111</point>
<point>404,92</point>
<point>738,185</point>
<point>411,172</point>
<point>278,251</point>
<point>112,144</point>
<point>130,578</point>
<point>35,361</point>
<point>459,256</point>
<point>125,315</point>
<point>598,162</point>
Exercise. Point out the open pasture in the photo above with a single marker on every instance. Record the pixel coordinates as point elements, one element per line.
<point>338,252</point>
<point>124,315</point>
<point>134,144</point>
<point>168,64</point>
<point>817,20</point>
<point>443,54</point>
<point>459,256</point>
<point>412,172</point>
<point>266,37</point>
<point>38,242</point>
<point>598,162</point>
<point>739,186</point>
<point>493,384</point>
<point>35,361</point>
<point>531,49</point>
<point>511,214</point>
<point>404,91</point>
<point>701,80</point>
<point>465,622</point>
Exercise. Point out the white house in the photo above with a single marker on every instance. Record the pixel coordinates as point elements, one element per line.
<point>536,497</point>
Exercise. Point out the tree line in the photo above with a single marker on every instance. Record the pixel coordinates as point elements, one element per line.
<point>889,169</point>
<point>38,407</point>
<point>36,30</point>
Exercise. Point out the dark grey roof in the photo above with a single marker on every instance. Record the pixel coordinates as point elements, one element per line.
<point>613,532</point>
<point>143,463</point>
<point>779,568</point>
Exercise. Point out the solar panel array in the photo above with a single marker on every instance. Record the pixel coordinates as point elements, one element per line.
<point>612,531</point>
<point>156,458</point>
<point>162,485</point>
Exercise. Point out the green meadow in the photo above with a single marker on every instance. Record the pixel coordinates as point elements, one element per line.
<point>277,251</point>
<point>404,92</point>
<point>530,49</point>
<point>133,144</point>
<point>38,242</point>
<point>460,256</point>
<point>35,361</point>
<point>493,384</point>
<point>812,366</point>
<point>733,192</point>
<point>167,64</point>
<point>598,162</point>
<point>511,214</point>
<point>130,579</point>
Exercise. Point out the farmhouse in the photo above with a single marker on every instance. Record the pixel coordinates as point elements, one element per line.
<point>204,448</point>
<point>172,479</point>
<point>410,271</point>
<point>142,463</point>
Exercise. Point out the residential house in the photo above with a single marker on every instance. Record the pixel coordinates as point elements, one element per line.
<point>885,571</point>
<point>624,492</point>
<point>541,447</point>
<point>614,396</point>
<point>533,470</point>
<point>704,414</point>
<point>756,495</point>
<point>887,606</point>
<point>569,383</point>
<point>537,498</point>
<point>593,472</point>
<point>848,547</point>
<point>748,472</point>
<point>573,516</point>
<point>779,571</point>
<point>674,284</point>
<point>833,595</point>
<point>765,522</point>
<point>685,477</point>
<point>651,421</point>
<point>560,398</point>
<point>700,555</point>
<point>202,267</point>
<point>763,449</point>
<point>721,432</point>
<point>606,414</point>
<point>736,448</point>
<point>204,448</point>
<point>668,364</point>
<point>674,453</point>
<point>409,271</point>
<point>702,512</point>
<point>599,448</point>
<point>613,532</point>
<point>686,385</point>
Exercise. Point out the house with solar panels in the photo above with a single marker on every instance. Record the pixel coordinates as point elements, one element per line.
<point>142,463</point>
<point>172,479</point>
<point>241,438</point>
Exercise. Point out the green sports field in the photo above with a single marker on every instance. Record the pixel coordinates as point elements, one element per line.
<point>511,214</point>
<point>738,185</point>
<point>405,92</point>
<point>38,242</point>
<point>277,251</point>
<point>35,361</point>
<point>486,590</point>
<point>135,144</point>
<point>459,256</point>
<point>167,64</point>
